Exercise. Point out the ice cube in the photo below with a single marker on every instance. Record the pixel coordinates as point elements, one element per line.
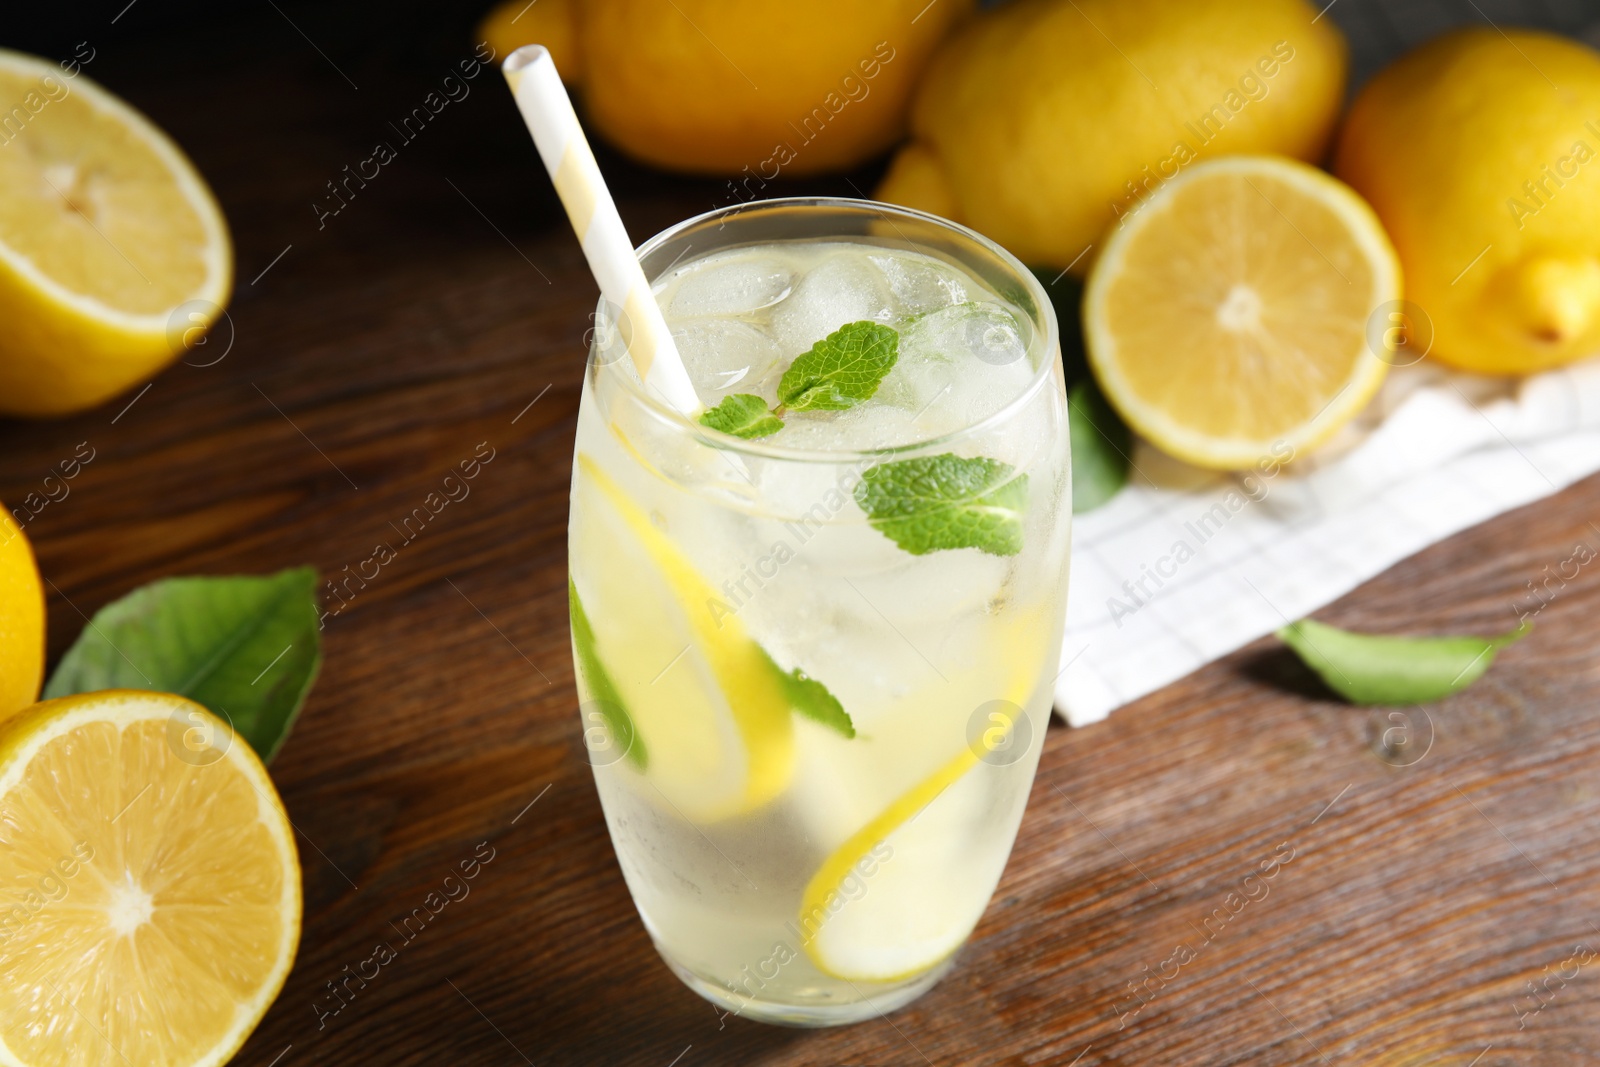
<point>959,365</point>
<point>920,284</point>
<point>859,429</point>
<point>842,288</point>
<point>988,332</point>
<point>726,356</point>
<point>731,287</point>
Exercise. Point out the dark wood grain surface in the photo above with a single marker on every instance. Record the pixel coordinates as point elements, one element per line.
<point>442,310</point>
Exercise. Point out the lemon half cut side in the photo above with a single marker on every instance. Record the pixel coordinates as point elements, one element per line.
<point>149,886</point>
<point>114,257</point>
<point>1230,318</point>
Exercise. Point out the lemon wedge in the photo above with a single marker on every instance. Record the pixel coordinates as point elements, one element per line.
<point>1228,317</point>
<point>114,256</point>
<point>703,696</point>
<point>149,887</point>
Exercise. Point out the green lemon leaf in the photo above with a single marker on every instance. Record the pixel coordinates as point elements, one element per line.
<point>245,647</point>
<point>1377,669</point>
<point>946,501</point>
<point>812,699</point>
<point>1101,446</point>
<point>742,415</point>
<point>602,690</point>
<point>841,370</point>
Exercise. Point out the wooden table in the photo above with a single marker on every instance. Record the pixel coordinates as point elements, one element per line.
<point>444,307</point>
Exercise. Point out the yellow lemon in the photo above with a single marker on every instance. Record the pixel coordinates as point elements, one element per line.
<point>752,89</point>
<point>149,888</point>
<point>21,620</point>
<point>113,255</point>
<point>1481,153</point>
<point>552,23</point>
<point>1229,319</point>
<point>1042,122</point>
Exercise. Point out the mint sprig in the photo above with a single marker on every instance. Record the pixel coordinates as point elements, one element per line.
<point>841,370</point>
<point>1379,669</point>
<point>811,698</point>
<point>946,501</point>
<point>246,647</point>
<point>742,415</point>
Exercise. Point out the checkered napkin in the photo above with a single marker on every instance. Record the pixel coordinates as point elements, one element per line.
<point>1184,566</point>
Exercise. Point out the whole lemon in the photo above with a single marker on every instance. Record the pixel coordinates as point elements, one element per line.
<point>756,88</point>
<point>1479,152</point>
<point>21,620</point>
<point>1044,121</point>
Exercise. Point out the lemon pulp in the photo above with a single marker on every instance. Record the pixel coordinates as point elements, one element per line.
<point>1229,319</point>
<point>151,891</point>
<point>114,257</point>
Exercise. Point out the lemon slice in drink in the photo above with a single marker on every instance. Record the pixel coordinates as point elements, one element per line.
<point>904,891</point>
<point>149,888</point>
<point>703,696</point>
<point>1227,318</point>
<point>113,254</point>
<point>919,894</point>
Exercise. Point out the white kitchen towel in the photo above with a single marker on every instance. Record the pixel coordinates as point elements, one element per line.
<point>1184,565</point>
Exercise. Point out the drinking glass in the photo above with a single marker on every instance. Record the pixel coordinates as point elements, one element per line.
<point>812,734</point>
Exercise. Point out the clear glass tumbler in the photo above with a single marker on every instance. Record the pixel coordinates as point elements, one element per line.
<point>814,718</point>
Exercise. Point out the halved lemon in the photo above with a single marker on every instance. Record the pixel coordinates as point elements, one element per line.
<point>114,257</point>
<point>21,620</point>
<point>1227,318</point>
<point>149,887</point>
<point>703,696</point>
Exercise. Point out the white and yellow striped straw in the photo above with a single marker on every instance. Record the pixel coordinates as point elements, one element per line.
<point>547,110</point>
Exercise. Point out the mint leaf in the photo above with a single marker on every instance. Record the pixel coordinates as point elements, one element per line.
<point>1376,669</point>
<point>742,415</point>
<point>841,370</point>
<point>1101,445</point>
<point>937,502</point>
<point>811,698</point>
<point>245,647</point>
<point>603,691</point>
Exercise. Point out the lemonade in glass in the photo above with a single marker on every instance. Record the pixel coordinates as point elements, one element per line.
<point>816,629</point>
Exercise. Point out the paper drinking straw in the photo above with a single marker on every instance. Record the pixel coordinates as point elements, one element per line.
<point>547,110</point>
